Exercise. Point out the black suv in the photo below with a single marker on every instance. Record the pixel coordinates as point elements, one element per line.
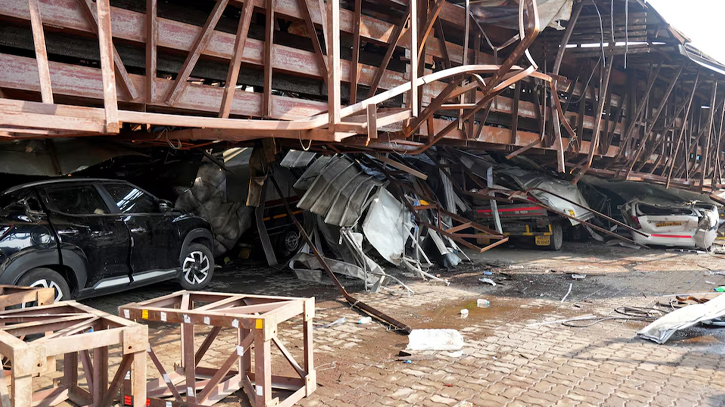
<point>88,237</point>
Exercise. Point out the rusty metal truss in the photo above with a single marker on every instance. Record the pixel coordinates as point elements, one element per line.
<point>613,94</point>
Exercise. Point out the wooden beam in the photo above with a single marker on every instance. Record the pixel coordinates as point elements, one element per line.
<point>93,20</point>
<point>233,73</point>
<point>333,66</point>
<point>201,41</point>
<point>268,50</point>
<point>105,42</point>
<point>152,39</point>
<point>354,64</point>
<point>41,54</point>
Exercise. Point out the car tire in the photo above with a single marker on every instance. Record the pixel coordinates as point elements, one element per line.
<point>197,267</point>
<point>288,243</point>
<point>45,277</point>
<point>557,236</point>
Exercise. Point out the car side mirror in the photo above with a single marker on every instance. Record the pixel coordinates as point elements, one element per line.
<point>165,206</point>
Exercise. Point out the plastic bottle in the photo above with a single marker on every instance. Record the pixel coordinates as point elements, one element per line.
<point>483,303</point>
<point>365,320</point>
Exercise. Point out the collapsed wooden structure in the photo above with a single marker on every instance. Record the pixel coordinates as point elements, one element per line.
<point>255,319</point>
<point>617,92</point>
<point>76,332</point>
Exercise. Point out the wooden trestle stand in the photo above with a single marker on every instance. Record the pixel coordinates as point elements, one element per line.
<point>255,320</point>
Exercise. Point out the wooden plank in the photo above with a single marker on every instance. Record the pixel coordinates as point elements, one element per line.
<point>201,41</point>
<point>105,41</point>
<point>152,39</point>
<point>224,369</point>
<point>41,54</point>
<point>354,64</point>
<point>118,67</point>
<point>333,67</point>
<point>233,73</point>
<point>268,50</point>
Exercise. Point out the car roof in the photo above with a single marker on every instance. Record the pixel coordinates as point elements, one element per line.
<point>58,181</point>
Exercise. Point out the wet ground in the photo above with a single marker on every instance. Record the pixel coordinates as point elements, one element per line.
<point>513,355</point>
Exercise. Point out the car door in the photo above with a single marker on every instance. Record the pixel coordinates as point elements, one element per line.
<point>154,241</point>
<point>83,221</point>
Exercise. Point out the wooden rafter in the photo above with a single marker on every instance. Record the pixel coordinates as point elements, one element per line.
<point>312,32</point>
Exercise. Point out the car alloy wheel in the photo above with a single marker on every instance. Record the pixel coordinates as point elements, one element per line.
<point>48,284</point>
<point>196,267</point>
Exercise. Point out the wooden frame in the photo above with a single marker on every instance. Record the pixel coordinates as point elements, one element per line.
<point>11,295</point>
<point>255,319</point>
<point>72,330</point>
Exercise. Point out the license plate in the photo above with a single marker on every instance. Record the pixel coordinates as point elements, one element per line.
<point>542,240</point>
<point>665,224</point>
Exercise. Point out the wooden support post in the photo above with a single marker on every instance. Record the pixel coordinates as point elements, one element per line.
<point>263,366</point>
<point>105,41</point>
<point>22,391</point>
<point>233,73</point>
<point>354,63</point>
<point>268,50</point>
<point>139,379</point>
<point>92,15</point>
<point>41,54</point>
<point>414,57</point>
<point>333,66</point>
<point>152,38</point>
<point>200,43</point>
<point>187,333</point>
<point>309,364</point>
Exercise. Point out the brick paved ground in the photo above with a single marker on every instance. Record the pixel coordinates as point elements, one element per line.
<point>506,361</point>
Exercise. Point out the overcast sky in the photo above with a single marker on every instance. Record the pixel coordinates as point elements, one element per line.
<point>700,20</point>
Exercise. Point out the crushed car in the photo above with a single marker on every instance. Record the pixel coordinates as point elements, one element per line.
<point>672,223</point>
<point>532,220</point>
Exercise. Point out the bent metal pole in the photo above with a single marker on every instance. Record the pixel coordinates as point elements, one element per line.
<point>350,299</point>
